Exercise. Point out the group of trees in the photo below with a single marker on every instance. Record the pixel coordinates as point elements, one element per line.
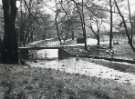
<point>76,13</point>
<point>21,26</point>
<point>33,24</point>
<point>129,31</point>
<point>71,16</point>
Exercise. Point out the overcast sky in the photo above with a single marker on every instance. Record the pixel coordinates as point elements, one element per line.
<point>51,4</point>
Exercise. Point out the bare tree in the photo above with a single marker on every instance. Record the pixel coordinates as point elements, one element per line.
<point>96,14</point>
<point>130,19</point>
<point>125,26</point>
<point>97,31</point>
<point>33,23</point>
<point>57,25</point>
<point>80,11</point>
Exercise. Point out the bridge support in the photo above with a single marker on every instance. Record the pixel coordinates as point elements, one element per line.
<point>63,54</point>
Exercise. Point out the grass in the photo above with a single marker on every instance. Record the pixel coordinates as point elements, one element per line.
<point>121,50</point>
<point>38,83</point>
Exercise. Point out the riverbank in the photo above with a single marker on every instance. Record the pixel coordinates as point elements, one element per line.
<point>121,52</point>
<point>38,83</point>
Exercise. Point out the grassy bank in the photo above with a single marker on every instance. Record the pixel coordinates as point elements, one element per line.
<point>22,82</point>
<point>121,51</point>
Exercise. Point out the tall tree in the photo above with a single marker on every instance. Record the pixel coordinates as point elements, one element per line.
<point>125,26</point>
<point>57,25</point>
<point>9,52</point>
<point>83,25</point>
<point>80,10</point>
<point>111,25</point>
<point>98,23</point>
<point>130,19</point>
<point>96,15</point>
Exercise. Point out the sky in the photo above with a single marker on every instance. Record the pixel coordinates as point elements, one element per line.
<point>51,3</point>
<point>101,2</point>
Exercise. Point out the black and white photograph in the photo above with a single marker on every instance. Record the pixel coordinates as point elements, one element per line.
<point>67,49</point>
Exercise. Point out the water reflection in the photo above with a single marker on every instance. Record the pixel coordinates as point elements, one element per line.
<point>45,54</point>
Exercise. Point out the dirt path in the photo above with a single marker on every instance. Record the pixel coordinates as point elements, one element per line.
<point>83,67</point>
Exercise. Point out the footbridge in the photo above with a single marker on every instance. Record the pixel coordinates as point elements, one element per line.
<point>24,52</point>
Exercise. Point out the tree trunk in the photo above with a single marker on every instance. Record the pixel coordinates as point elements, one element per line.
<point>96,33</point>
<point>111,25</point>
<point>9,52</point>
<point>73,35</point>
<point>82,19</point>
<point>57,27</point>
<point>98,40</point>
<point>130,19</point>
<point>83,27</point>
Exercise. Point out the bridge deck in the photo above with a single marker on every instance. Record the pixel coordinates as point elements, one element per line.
<point>50,47</point>
<point>38,48</point>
